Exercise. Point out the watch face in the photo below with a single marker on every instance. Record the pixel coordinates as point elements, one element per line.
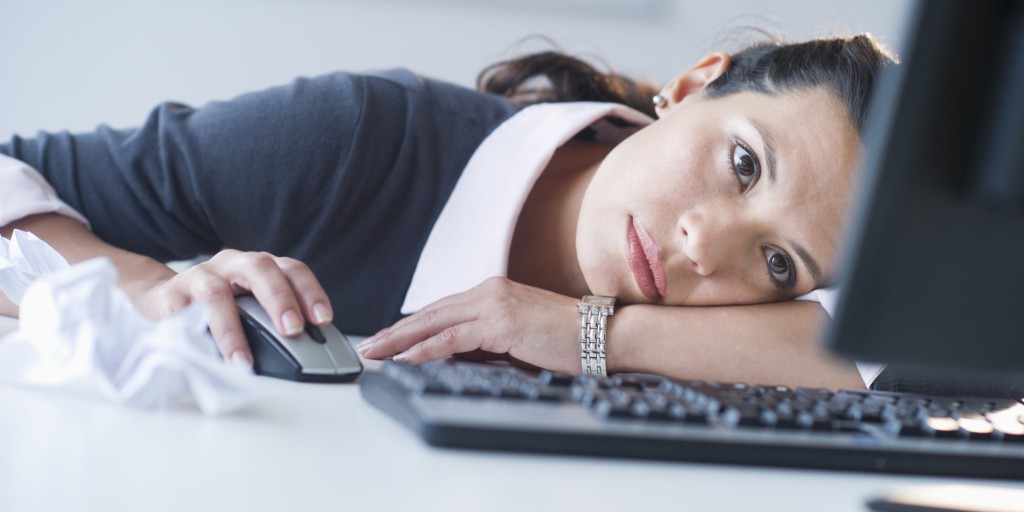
<point>598,300</point>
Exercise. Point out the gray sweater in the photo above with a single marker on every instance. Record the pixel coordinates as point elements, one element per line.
<point>345,172</point>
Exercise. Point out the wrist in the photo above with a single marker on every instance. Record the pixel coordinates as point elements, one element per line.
<point>138,276</point>
<point>593,338</point>
<point>621,354</point>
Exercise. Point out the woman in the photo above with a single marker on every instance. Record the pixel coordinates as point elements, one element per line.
<point>398,193</point>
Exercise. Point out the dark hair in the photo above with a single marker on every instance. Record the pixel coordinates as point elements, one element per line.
<point>849,67</point>
<point>555,76</point>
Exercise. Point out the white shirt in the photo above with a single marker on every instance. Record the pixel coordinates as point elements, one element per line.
<point>485,202</point>
<point>24,192</point>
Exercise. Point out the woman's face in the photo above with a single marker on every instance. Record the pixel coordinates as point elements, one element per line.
<point>731,200</point>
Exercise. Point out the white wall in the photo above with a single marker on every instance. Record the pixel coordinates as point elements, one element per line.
<point>72,64</point>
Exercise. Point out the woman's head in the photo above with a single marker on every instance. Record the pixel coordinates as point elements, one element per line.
<point>737,193</point>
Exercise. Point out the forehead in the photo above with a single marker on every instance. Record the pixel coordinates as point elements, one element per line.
<point>814,142</point>
<point>805,118</point>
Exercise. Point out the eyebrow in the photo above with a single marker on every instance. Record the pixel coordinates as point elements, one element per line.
<point>809,262</point>
<point>769,150</point>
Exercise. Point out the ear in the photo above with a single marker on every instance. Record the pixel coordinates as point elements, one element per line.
<point>693,80</point>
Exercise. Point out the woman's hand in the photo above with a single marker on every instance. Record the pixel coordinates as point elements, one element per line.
<point>498,316</point>
<point>285,287</point>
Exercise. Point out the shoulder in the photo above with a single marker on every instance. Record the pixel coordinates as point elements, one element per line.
<point>437,96</point>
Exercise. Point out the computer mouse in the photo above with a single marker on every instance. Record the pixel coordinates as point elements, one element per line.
<point>320,354</point>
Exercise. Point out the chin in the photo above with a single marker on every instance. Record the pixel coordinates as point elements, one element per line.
<point>611,287</point>
<point>600,285</point>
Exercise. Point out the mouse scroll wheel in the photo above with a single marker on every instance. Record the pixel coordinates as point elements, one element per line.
<point>314,332</point>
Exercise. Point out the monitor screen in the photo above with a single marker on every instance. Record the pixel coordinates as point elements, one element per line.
<point>932,275</point>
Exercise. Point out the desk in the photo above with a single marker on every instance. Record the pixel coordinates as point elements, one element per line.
<point>320,447</point>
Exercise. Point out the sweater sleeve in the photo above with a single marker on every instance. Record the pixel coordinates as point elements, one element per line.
<point>190,181</point>
<point>24,192</point>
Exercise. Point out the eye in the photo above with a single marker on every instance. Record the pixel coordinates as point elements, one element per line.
<point>780,268</point>
<point>745,165</point>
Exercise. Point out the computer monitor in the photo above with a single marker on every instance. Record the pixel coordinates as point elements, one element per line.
<point>932,274</point>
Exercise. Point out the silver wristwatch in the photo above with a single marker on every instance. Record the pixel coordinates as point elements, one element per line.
<point>595,310</point>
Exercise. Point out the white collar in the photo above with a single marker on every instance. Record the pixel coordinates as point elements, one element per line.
<point>473,234</point>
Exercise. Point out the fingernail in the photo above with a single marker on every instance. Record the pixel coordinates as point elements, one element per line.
<point>363,349</point>
<point>367,343</point>
<point>401,358</point>
<point>321,313</point>
<point>293,324</point>
<point>241,359</point>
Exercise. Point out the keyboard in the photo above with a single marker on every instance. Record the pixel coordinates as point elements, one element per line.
<point>499,407</point>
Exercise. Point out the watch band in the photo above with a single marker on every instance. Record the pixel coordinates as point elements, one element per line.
<point>595,310</point>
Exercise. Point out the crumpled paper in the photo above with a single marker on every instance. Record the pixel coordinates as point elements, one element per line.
<point>79,332</point>
<point>23,259</point>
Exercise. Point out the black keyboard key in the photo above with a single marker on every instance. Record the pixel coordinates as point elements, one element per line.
<point>787,420</point>
<point>509,391</point>
<point>584,396</point>
<point>606,408</point>
<point>558,379</point>
<point>593,381</point>
<point>640,409</point>
<point>1012,437</point>
<point>542,393</point>
<point>812,393</point>
<point>652,411</point>
<point>414,380</point>
<point>909,427</point>
<point>751,416</point>
<point>814,420</point>
<point>767,418</point>
<point>852,412</point>
<point>631,381</point>
<point>683,414</point>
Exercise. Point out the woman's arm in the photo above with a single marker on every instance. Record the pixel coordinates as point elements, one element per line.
<point>76,243</point>
<point>766,343</point>
<point>285,287</point>
<point>777,343</point>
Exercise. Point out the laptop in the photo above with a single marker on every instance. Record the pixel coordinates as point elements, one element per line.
<point>932,286</point>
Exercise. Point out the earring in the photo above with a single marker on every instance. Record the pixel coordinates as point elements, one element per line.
<point>659,101</point>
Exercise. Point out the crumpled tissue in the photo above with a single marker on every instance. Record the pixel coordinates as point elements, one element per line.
<point>79,332</point>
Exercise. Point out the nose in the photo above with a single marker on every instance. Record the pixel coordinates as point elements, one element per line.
<point>714,236</point>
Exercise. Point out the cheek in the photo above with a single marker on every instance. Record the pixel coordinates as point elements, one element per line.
<point>595,247</point>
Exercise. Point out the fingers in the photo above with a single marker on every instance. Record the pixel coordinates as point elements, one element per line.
<point>312,298</point>
<point>427,323</point>
<point>225,324</point>
<point>260,274</point>
<point>531,326</point>
<point>463,337</point>
<point>285,287</point>
<point>450,300</point>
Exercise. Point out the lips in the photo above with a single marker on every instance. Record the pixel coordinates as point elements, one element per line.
<point>642,255</point>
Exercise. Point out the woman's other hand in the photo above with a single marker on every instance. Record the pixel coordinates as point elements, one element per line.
<point>498,316</point>
<point>285,287</point>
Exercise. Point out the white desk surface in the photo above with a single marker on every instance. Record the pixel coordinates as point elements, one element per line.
<point>310,447</point>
